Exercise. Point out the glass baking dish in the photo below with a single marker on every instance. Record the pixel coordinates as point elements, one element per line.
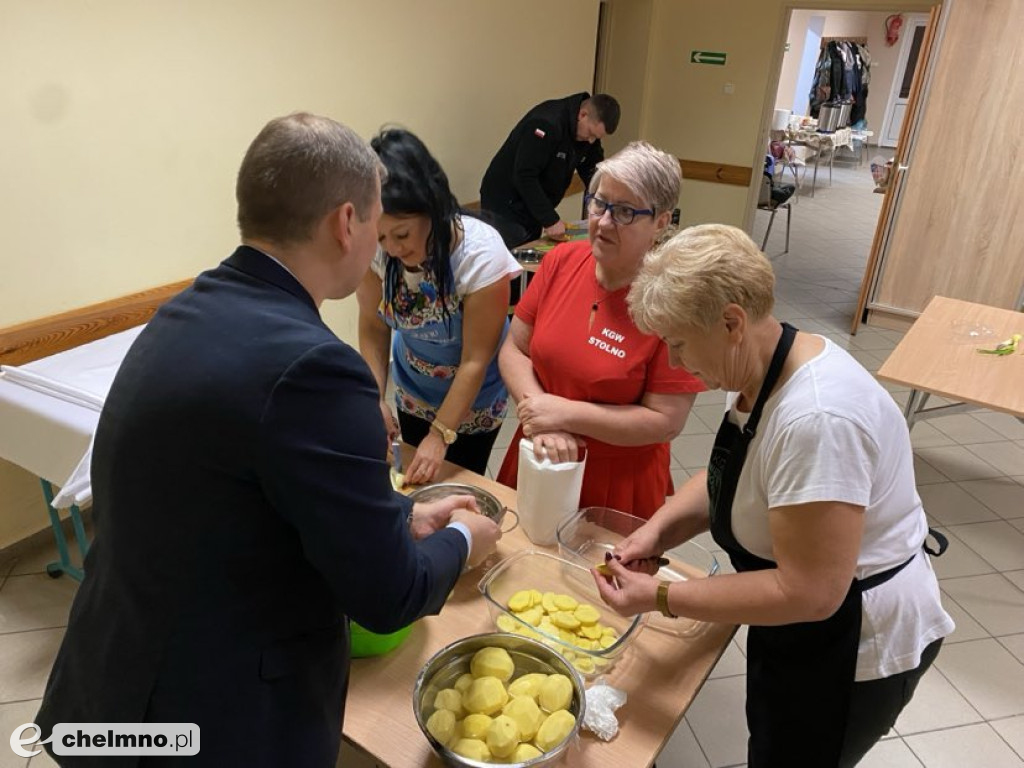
<point>546,573</point>
<point>585,537</point>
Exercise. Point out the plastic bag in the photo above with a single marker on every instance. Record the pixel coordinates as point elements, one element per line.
<point>547,493</point>
<point>602,701</point>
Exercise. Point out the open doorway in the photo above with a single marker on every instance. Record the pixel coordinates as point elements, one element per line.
<point>835,208</point>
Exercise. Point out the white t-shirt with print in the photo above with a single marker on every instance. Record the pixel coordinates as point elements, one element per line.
<point>480,260</point>
<point>832,433</point>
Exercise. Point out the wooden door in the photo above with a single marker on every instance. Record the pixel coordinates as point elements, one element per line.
<point>951,224</point>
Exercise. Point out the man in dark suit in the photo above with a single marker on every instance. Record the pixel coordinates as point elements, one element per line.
<point>243,505</point>
<point>528,177</point>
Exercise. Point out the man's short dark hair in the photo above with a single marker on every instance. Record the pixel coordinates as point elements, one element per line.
<point>605,110</point>
<point>296,171</point>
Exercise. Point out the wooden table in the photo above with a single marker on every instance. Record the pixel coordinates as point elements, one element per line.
<point>661,674</point>
<point>939,357</point>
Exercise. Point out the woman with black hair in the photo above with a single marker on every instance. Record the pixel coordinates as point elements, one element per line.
<point>441,282</point>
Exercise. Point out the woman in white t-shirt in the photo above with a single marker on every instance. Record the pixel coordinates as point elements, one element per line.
<point>440,281</point>
<point>810,490</point>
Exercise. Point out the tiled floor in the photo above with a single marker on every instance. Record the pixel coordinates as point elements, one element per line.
<point>969,709</point>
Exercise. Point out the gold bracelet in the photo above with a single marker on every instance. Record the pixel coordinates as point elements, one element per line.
<point>663,600</point>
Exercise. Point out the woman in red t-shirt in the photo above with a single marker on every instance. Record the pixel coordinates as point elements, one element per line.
<point>579,369</point>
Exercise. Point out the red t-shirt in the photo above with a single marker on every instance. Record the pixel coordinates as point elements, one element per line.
<point>598,356</point>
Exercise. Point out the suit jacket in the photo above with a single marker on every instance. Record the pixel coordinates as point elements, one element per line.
<point>243,510</point>
<point>529,175</point>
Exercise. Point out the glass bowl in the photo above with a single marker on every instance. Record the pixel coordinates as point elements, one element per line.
<point>546,573</point>
<point>585,537</point>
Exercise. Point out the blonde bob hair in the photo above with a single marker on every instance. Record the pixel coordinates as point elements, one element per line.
<point>650,174</point>
<point>689,280</point>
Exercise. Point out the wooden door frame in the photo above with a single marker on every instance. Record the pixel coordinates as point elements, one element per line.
<point>904,149</point>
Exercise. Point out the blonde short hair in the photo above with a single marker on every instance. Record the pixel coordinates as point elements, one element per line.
<point>689,280</point>
<point>650,174</point>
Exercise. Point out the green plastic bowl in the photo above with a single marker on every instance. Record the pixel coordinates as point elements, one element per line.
<point>365,643</point>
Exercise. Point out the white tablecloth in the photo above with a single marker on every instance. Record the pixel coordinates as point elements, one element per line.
<point>49,410</point>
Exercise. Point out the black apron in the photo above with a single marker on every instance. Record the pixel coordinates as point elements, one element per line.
<point>799,676</point>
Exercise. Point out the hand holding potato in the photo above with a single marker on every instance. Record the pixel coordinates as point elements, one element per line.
<point>627,592</point>
<point>431,516</point>
<point>485,533</point>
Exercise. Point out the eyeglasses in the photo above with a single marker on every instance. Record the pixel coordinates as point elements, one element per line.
<point>621,214</point>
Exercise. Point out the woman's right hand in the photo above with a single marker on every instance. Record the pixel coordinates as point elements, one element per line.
<point>641,549</point>
<point>390,424</point>
<point>557,446</point>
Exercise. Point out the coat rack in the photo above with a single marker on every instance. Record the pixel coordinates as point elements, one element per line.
<point>858,40</point>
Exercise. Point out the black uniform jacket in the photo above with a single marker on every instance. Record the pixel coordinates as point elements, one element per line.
<point>529,175</point>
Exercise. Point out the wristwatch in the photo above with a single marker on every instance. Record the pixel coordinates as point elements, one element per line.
<point>448,435</point>
<point>662,600</point>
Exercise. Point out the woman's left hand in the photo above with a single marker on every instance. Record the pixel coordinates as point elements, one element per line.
<point>542,413</point>
<point>427,461</point>
<point>627,592</point>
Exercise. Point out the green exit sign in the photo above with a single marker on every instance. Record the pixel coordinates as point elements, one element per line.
<point>707,57</point>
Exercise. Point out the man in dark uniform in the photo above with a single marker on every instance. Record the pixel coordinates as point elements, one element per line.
<point>532,170</point>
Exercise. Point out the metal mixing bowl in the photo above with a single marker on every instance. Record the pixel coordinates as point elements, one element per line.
<point>444,668</point>
<point>487,502</point>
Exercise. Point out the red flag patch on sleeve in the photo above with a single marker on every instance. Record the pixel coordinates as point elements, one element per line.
<point>539,133</point>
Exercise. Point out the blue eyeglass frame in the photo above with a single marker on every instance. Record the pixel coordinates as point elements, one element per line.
<point>613,207</point>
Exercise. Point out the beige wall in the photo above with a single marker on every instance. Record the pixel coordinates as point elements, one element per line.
<point>687,110</point>
<point>124,124</point>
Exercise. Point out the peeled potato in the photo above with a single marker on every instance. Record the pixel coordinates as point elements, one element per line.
<point>502,736</point>
<point>554,729</point>
<point>474,749</point>
<point>487,695</point>
<point>463,683</point>
<point>527,685</point>
<point>525,752</point>
<point>449,699</point>
<point>441,725</point>
<point>475,726</point>
<point>397,481</point>
<point>555,693</point>
<point>526,713</point>
<point>492,662</point>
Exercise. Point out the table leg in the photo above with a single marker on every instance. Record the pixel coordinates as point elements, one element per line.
<point>64,565</point>
<point>915,404</point>
<point>814,178</point>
